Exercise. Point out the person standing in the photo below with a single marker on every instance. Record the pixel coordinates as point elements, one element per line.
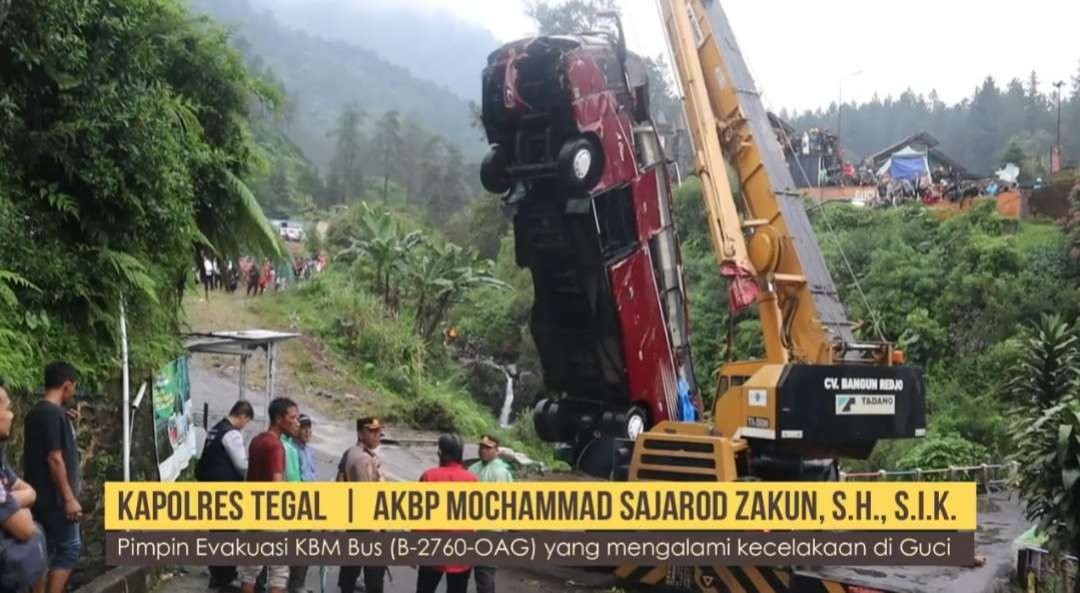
<point>266,463</point>
<point>25,545</point>
<point>361,464</point>
<point>293,472</point>
<point>225,459</point>
<point>216,270</point>
<point>207,275</point>
<point>253,281</point>
<point>266,278</point>
<point>306,473</point>
<point>489,469</point>
<point>307,456</point>
<point>51,467</point>
<point>450,470</point>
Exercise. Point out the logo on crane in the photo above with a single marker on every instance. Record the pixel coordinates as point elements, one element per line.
<point>865,405</point>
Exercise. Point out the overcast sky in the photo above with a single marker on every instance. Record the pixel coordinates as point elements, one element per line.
<point>801,50</point>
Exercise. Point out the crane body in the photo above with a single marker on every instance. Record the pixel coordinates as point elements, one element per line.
<point>818,393</point>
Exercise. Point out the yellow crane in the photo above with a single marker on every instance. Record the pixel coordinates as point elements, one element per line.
<point>819,393</point>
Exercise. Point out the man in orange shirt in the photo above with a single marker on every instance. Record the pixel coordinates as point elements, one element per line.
<point>450,470</point>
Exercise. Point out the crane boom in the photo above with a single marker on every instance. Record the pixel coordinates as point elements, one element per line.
<point>802,316</point>
<point>817,394</point>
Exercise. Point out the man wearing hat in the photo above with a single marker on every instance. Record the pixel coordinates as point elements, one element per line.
<point>307,457</point>
<point>489,469</point>
<point>360,464</point>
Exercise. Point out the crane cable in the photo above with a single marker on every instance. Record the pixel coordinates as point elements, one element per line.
<point>875,319</point>
<point>836,238</point>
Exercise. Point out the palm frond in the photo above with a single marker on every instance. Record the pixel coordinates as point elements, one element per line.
<point>184,117</point>
<point>251,229</point>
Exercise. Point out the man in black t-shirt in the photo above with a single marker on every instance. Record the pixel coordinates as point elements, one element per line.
<point>51,466</point>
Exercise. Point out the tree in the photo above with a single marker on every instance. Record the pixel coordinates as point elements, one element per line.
<point>1072,228</point>
<point>662,97</point>
<point>310,184</point>
<point>984,119</point>
<point>570,16</point>
<point>388,147</point>
<point>454,187</point>
<point>1071,123</point>
<point>414,141</point>
<point>440,278</point>
<point>1014,153</point>
<point>1036,106</point>
<point>1047,439</point>
<point>346,178</point>
<point>433,157</point>
<point>124,138</point>
<point>280,191</point>
<point>385,246</point>
<point>481,226</point>
<point>1014,107</point>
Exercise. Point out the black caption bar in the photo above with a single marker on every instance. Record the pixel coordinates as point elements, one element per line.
<point>521,548</point>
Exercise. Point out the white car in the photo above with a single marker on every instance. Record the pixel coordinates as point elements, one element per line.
<point>295,234</point>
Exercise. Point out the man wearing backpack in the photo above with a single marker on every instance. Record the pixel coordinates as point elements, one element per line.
<point>224,459</point>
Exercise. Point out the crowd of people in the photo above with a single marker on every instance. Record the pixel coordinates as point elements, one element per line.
<point>282,454</point>
<point>251,275</point>
<point>40,512</point>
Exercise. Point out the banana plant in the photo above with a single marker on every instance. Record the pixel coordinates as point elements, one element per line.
<point>383,248</point>
<point>441,276</point>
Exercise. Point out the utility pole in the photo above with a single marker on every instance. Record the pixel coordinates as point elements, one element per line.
<point>840,126</point>
<point>1056,157</point>
<point>840,104</point>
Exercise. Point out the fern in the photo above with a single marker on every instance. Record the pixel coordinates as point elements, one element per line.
<point>132,271</point>
<point>60,201</point>
<point>9,279</point>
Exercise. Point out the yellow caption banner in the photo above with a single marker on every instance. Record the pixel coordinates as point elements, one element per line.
<point>552,506</point>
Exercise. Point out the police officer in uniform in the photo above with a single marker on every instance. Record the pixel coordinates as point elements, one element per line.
<point>225,459</point>
<point>361,464</point>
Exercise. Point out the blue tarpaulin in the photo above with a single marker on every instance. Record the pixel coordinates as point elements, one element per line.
<point>909,164</point>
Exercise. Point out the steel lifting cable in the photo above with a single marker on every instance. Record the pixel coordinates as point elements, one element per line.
<point>839,246</point>
<point>787,140</point>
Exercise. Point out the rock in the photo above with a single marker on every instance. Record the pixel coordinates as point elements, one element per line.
<point>517,459</point>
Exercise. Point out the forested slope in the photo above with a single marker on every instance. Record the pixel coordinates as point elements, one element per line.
<point>322,77</point>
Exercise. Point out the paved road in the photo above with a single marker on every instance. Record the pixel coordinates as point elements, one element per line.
<point>1000,517</point>
<point>1000,521</point>
<point>330,437</point>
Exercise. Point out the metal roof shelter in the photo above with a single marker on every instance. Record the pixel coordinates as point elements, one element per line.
<point>245,344</point>
<point>925,142</point>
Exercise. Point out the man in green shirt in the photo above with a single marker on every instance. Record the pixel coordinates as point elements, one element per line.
<point>294,473</point>
<point>489,469</point>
